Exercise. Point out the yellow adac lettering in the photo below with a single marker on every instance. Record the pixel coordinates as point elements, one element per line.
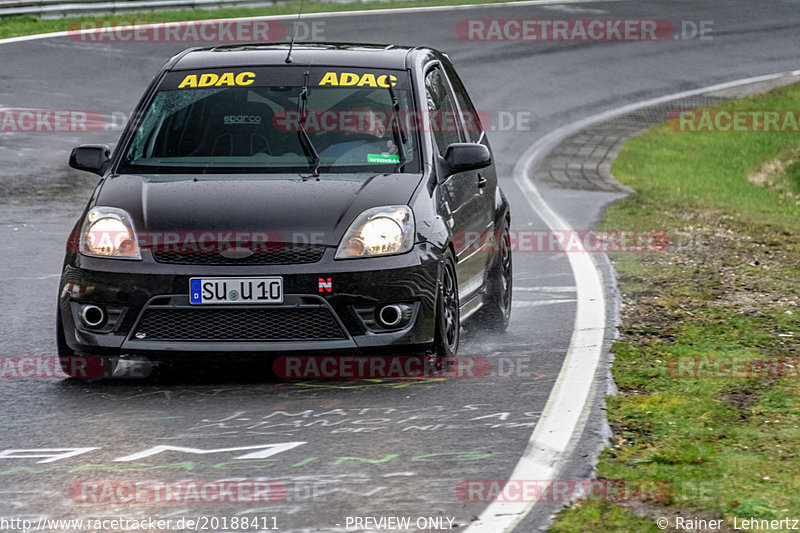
<point>207,80</point>
<point>189,81</point>
<point>245,78</point>
<point>382,81</point>
<point>348,79</point>
<point>367,79</point>
<point>215,80</point>
<point>329,79</point>
<point>226,79</point>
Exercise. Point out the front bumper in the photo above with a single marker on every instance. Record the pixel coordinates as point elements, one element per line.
<point>147,307</point>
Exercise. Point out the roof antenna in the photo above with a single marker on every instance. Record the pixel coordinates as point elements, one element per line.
<point>294,33</point>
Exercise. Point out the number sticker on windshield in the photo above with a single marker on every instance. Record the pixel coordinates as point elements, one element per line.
<point>383,158</point>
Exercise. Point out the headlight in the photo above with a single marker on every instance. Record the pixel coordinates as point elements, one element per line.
<point>108,232</point>
<point>379,231</point>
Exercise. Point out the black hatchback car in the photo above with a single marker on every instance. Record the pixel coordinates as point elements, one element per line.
<point>341,197</point>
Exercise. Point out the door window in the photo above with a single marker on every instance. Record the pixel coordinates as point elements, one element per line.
<point>443,118</point>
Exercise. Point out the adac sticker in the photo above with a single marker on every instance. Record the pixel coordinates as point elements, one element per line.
<point>353,79</point>
<point>224,78</point>
<point>213,79</point>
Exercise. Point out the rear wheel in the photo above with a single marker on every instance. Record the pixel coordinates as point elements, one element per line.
<point>448,318</point>
<point>496,311</point>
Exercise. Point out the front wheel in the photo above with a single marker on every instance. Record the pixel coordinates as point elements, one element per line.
<point>448,317</point>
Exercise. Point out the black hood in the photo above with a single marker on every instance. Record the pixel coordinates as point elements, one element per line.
<point>300,210</point>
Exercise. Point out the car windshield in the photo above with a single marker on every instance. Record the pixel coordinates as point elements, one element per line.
<point>276,120</point>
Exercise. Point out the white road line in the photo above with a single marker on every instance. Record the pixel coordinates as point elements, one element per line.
<point>396,10</point>
<point>564,416</point>
<point>555,429</point>
<point>540,303</point>
<point>546,288</point>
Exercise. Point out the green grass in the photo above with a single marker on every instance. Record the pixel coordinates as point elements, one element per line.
<point>13,27</point>
<point>728,285</point>
<point>601,516</point>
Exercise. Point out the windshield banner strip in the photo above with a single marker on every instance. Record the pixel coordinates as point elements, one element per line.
<point>285,76</point>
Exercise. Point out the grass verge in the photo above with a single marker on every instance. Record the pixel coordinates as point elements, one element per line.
<point>14,27</point>
<point>724,291</point>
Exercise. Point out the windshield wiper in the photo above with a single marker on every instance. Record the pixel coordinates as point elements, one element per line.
<point>399,133</point>
<point>305,140</point>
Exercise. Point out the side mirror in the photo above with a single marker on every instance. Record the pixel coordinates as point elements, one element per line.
<point>462,157</point>
<point>90,157</point>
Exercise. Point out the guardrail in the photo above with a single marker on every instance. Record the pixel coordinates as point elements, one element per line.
<point>60,8</point>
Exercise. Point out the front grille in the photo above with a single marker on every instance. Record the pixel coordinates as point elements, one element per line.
<point>273,255</point>
<point>313,323</point>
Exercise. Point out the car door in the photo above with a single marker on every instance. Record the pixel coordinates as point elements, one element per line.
<point>474,132</point>
<point>463,198</point>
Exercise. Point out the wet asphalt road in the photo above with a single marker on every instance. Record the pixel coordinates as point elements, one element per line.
<point>341,448</point>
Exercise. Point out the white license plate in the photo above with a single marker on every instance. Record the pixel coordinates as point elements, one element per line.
<point>236,290</point>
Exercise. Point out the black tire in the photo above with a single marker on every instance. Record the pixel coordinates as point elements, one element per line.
<point>496,311</point>
<point>448,317</point>
<point>61,343</point>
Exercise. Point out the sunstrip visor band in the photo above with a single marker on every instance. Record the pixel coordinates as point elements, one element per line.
<point>286,76</point>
